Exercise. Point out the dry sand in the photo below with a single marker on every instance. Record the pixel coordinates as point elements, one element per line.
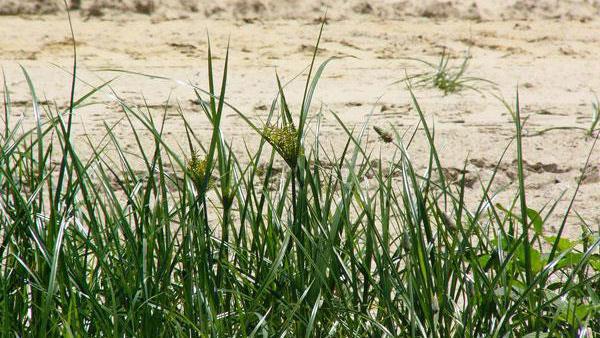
<point>337,9</point>
<point>552,56</point>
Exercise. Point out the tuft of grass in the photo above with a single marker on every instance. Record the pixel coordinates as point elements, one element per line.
<point>447,77</point>
<point>101,246</point>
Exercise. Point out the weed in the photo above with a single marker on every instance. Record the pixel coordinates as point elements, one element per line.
<point>446,77</point>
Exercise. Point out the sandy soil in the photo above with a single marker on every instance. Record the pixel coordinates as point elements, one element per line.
<point>307,9</point>
<point>552,56</point>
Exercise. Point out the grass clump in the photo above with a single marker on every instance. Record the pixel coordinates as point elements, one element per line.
<point>94,247</point>
<point>447,77</point>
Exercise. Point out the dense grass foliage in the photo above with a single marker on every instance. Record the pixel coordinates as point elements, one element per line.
<point>222,245</point>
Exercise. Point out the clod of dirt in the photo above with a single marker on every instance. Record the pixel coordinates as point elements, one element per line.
<point>93,11</point>
<point>472,12</point>
<point>145,6</point>
<point>363,8</point>
<point>98,7</point>
<point>591,175</point>
<point>75,4</point>
<point>354,104</point>
<point>309,49</point>
<point>438,9</point>
<point>248,8</point>
<point>18,7</point>
<point>455,175</point>
<point>213,10</point>
<point>537,167</point>
<point>543,168</point>
<point>480,163</point>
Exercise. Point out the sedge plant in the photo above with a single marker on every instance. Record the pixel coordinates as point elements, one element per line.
<point>446,76</point>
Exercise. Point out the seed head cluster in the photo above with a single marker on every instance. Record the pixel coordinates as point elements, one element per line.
<point>285,141</point>
<point>384,135</point>
<point>196,167</point>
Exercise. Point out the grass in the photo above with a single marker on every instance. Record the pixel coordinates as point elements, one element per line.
<point>447,77</point>
<point>202,246</point>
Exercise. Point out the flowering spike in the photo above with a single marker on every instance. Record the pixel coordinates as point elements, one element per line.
<point>197,169</point>
<point>384,135</point>
<point>284,140</point>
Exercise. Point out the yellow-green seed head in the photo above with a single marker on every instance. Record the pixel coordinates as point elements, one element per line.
<point>197,168</point>
<point>285,141</point>
<point>384,135</point>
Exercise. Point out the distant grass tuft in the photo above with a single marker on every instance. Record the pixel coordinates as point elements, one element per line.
<point>448,78</point>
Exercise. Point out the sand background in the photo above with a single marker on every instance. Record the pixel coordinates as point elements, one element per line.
<point>548,48</point>
<point>337,9</point>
